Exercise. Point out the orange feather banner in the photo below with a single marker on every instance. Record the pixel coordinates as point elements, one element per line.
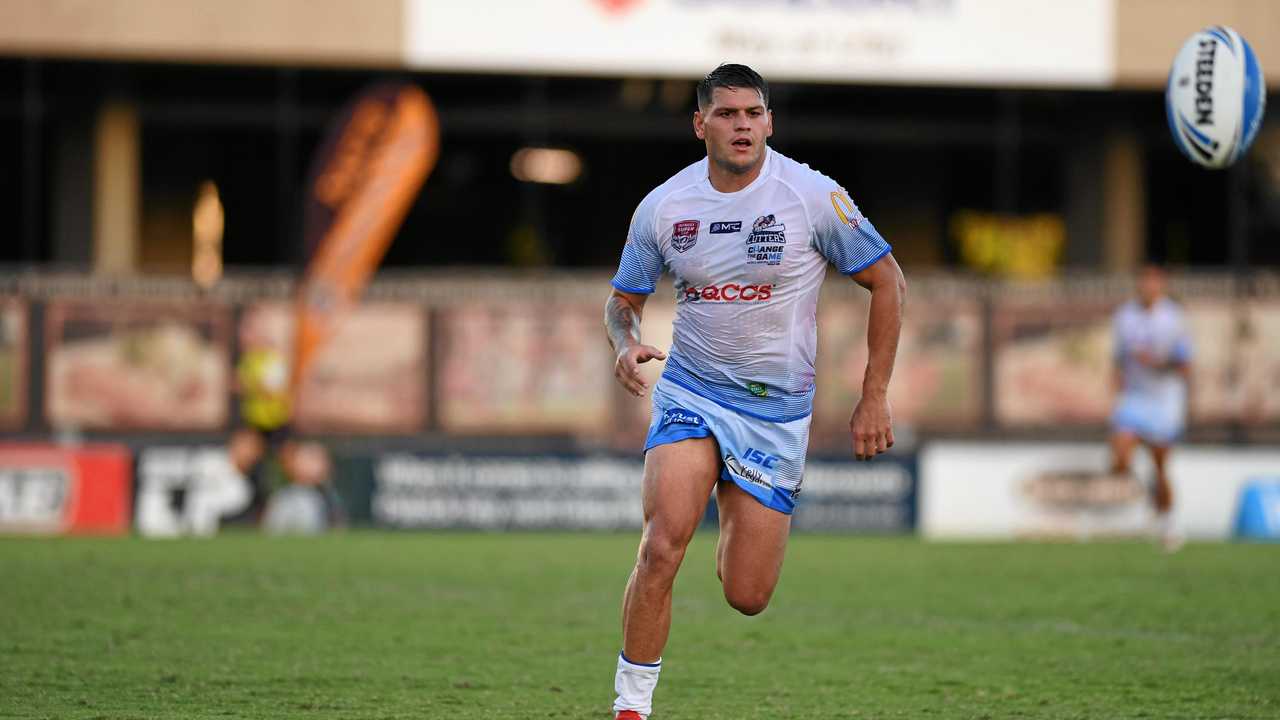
<point>365,178</point>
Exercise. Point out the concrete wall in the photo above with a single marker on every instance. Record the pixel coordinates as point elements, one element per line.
<point>1149,33</point>
<point>328,32</point>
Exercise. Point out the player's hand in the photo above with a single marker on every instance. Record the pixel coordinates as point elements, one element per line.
<point>871,427</point>
<point>627,367</point>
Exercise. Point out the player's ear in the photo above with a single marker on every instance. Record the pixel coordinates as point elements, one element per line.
<point>698,128</point>
<point>768,128</point>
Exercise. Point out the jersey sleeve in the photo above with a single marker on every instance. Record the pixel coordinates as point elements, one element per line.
<point>1181,352</point>
<point>641,263</point>
<point>1117,335</point>
<point>841,233</point>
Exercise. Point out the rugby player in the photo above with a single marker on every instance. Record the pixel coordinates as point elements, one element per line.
<point>1152,366</point>
<point>747,234</point>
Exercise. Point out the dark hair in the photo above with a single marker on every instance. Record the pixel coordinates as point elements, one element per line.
<point>730,75</point>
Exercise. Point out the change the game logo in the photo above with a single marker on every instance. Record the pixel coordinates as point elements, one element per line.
<point>766,242</point>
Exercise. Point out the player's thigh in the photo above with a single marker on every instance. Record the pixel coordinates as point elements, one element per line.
<point>753,541</point>
<point>678,478</point>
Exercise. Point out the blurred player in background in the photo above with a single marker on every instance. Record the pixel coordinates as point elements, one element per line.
<point>262,381</point>
<point>1152,367</point>
<point>297,494</point>
<point>748,234</point>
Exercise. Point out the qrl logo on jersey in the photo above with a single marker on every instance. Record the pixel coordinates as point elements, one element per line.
<point>729,292</point>
<point>684,234</point>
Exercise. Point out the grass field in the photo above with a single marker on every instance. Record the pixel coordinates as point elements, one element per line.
<point>526,626</point>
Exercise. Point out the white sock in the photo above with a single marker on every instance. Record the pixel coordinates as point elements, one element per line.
<point>634,684</point>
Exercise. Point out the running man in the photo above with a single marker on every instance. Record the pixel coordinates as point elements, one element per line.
<point>747,234</point>
<point>1152,367</point>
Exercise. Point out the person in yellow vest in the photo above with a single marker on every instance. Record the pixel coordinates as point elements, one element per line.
<point>263,376</point>
<point>290,477</point>
<point>262,381</point>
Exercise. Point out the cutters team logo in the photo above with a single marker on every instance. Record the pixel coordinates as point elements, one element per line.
<point>767,241</point>
<point>729,292</point>
<point>684,234</point>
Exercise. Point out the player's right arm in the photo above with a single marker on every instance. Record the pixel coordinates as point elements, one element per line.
<point>622,312</point>
<point>1117,354</point>
<point>638,272</point>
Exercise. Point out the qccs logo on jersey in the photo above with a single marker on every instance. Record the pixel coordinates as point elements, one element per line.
<point>767,241</point>
<point>684,234</point>
<point>729,292</point>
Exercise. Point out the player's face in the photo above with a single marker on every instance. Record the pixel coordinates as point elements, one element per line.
<point>734,126</point>
<point>1151,284</point>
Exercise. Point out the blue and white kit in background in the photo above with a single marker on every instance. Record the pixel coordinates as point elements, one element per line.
<point>1152,403</point>
<point>747,267</point>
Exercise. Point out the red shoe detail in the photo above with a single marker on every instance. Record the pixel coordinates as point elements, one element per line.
<point>629,715</point>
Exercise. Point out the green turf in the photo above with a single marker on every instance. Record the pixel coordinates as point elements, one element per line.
<point>526,626</point>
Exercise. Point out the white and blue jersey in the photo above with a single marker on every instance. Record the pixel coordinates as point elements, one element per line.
<point>1153,401</point>
<point>748,266</point>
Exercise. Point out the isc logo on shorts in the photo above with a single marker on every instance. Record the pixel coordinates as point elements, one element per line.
<point>750,474</point>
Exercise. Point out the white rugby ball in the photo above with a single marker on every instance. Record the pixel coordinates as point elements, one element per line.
<point>1215,97</point>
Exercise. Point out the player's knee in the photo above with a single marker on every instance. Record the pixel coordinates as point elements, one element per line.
<point>748,601</point>
<point>660,555</point>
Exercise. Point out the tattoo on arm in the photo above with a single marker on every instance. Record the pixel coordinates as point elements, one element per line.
<point>621,322</point>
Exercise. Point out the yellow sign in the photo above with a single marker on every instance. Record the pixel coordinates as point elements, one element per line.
<point>1026,246</point>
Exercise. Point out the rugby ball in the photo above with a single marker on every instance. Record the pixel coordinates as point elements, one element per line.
<point>1215,97</point>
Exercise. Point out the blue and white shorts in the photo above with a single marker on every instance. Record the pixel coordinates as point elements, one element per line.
<point>766,459</point>
<point>1156,420</point>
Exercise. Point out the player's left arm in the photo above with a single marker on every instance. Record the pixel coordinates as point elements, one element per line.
<point>851,243</point>
<point>872,423</point>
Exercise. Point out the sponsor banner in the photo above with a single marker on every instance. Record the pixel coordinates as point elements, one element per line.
<point>13,363</point>
<point>969,42</point>
<point>937,377</point>
<point>188,491</point>
<point>879,496</point>
<point>1052,367</point>
<point>1235,361</point>
<point>1046,490</point>
<point>590,493</point>
<point>523,369</point>
<point>370,378</point>
<point>52,490</point>
<point>136,365</point>
<point>505,493</point>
